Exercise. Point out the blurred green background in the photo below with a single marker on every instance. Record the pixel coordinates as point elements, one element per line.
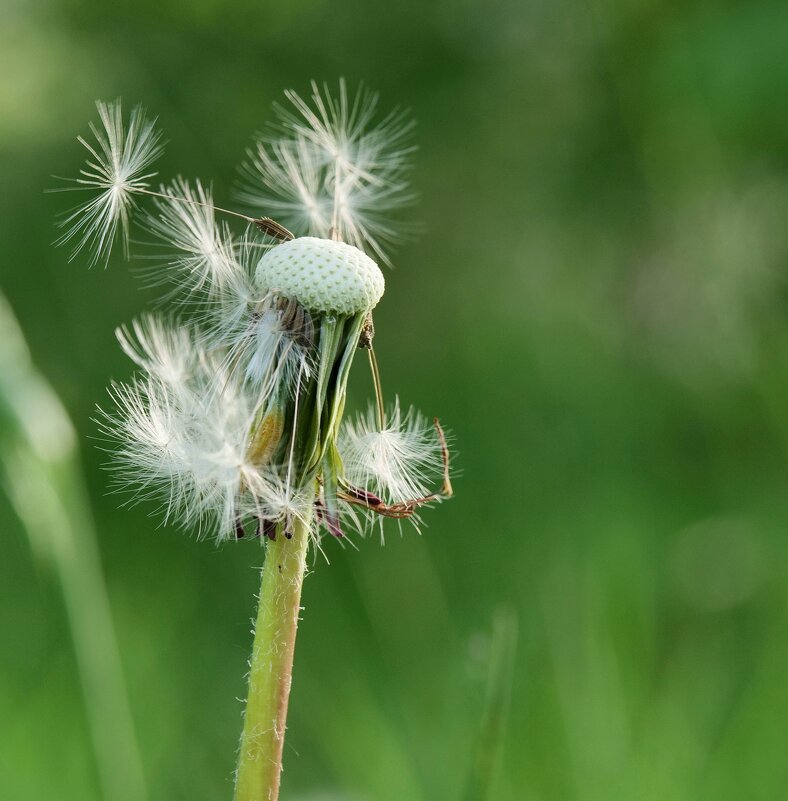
<point>597,309</point>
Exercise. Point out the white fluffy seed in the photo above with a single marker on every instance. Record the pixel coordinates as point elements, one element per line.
<point>322,275</point>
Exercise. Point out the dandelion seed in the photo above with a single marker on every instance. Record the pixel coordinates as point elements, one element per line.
<point>117,169</point>
<point>204,261</point>
<point>328,169</point>
<point>401,461</point>
<point>281,503</point>
<point>285,177</point>
<point>178,439</point>
<point>164,350</point>
<point>271,352</point>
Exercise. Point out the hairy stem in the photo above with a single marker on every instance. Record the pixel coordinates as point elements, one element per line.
<point>271,666</point>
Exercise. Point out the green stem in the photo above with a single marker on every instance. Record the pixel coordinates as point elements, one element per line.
<point>271,666</point>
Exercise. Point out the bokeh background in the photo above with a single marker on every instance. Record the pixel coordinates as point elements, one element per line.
<point>597,308</point>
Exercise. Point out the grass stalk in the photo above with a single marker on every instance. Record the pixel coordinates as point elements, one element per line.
<point>489,742</point>
<point>42,475</point>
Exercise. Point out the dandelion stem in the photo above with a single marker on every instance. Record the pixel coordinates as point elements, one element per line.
<point>271,666</point>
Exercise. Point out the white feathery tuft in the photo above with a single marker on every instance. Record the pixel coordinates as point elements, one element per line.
<point>232,304</point>
<point>185,443</point>
<point>329,168</point>
<point>165,351</point>
<point>279,501</point>
<point>117,169</point>
<point>182,429</point>
<point>270,354</point>
<point>263,353</point>
<point>285,177</point>
<point>202,261</point>
<point>400,462</point>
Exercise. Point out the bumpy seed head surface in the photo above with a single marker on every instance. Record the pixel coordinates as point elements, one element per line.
<point>322,275</point>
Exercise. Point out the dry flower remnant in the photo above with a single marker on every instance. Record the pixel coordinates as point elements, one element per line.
<point>235,419</point>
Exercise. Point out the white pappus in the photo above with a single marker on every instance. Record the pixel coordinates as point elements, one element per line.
<point>397,461</point>
<point>117,169</point>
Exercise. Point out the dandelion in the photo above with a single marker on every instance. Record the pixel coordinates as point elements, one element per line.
<point>234,422</point>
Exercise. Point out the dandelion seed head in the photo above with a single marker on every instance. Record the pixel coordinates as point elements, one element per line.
<point>234,414</point>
